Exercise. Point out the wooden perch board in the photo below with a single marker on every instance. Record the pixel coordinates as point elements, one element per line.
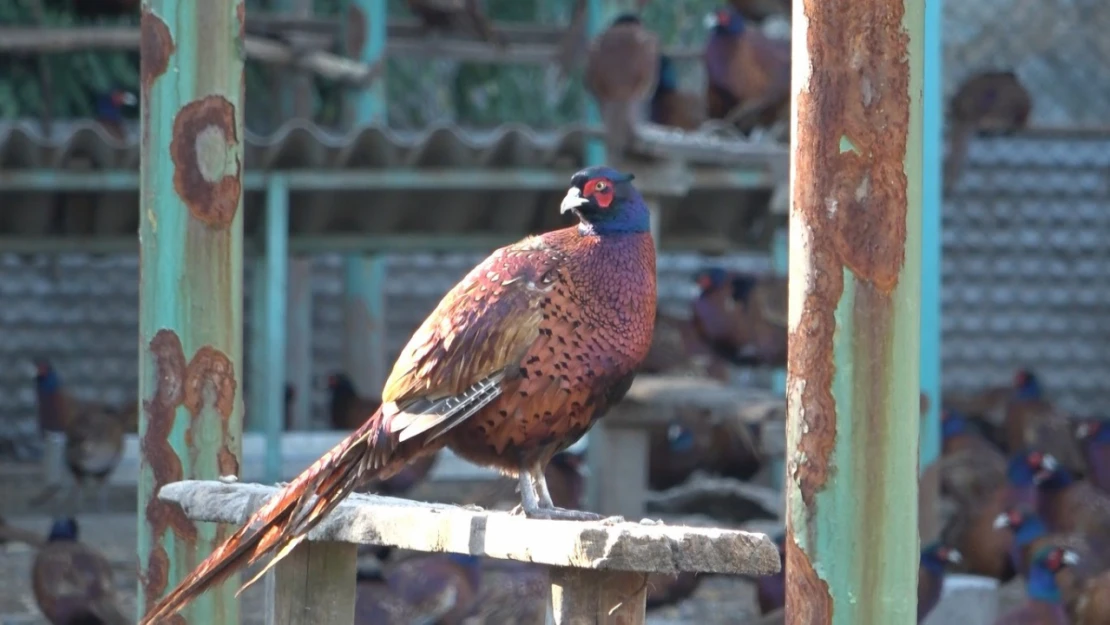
<point>369,519</point>
<point>653,399</point>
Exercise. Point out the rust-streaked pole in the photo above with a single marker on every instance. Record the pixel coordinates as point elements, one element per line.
<point>190,293</point>
<point>855,256</point>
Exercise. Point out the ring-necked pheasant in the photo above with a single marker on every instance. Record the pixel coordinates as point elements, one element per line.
<point>514,365</point>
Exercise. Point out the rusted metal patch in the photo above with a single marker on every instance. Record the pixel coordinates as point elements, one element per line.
<point>204,137</point>
<point>356,31</point>
<point>858,94</point>
<point>156,46</point>
<point>850,192</point>
<point>210,379</point>
<point>807,595</point>
<point>169,391</point>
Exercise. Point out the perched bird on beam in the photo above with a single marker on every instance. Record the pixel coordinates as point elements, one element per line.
<point>448,15</point>
<point>991,103</point>
<point>514,365</point>
<point>621,73</point>
<point>748,73</point>
<point>672,107</point>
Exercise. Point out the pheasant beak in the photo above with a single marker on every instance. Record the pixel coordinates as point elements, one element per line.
<point>953,556</point>
<point>1082,430</point>
<point>1070,558</point>
<point>1001,521</point>
<point>573,201</point>
<point>126,98</point>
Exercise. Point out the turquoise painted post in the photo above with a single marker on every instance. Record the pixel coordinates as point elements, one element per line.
<point>780,258</point>
<point>298,335</point>
<point>364,359</point>
<point>932,207</point>
<point>596,13</point>
<point>190,285</point>
<point>254,417</point>
<point>364,311</point>
<point>366,38</point>
<point>277,278</point>
<point>852,549</point>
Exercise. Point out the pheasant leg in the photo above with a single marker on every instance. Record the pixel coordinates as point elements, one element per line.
<point>536,500</point>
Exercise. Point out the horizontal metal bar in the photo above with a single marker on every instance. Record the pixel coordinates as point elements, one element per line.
<point>344,244</point>
<point>397,180</point>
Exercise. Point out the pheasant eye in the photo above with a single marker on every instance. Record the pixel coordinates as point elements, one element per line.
<point>600,190</point>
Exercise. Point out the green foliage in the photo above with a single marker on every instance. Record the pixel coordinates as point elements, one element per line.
<point>419,91</point>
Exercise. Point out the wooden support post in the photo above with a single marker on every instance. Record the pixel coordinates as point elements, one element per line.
<point>618,457</point>
<point>364,312</point>
<point>597,569</point>
<point>932,207</point>
<point>314,586</point>
<point>191,283</point>
<point>609,597</point>
<point>298,346</point>
<point>273,382</point>
<point>852,553</point>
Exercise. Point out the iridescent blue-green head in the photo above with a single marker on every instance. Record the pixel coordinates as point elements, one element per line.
<point>63,529</point>
<point>1046,563</point>
<point>1093,430</point>
<point>726,22</point>
<point>668,76</point>
<point>936,557</point>
<point>952,424</point>
<point>1025,524</point>
<point>1027,385</point>
<point>1035,468</point>
<point>606,203</point>
<point>710,278</point>
<point>46,377</point>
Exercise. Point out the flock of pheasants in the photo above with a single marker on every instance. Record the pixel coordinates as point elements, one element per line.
<point>1027,485</point>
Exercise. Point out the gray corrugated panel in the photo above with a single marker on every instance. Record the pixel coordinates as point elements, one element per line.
<point>1026,281</point>
<point>82,312</point>
<point>729,213</point>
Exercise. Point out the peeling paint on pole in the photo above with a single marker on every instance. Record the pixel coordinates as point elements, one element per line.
<point>190,297</point>
<point>852,388</point>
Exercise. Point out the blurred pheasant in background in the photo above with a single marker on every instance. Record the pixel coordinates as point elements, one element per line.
<point>113,108</point>
<point>742,316</point>
<point>447,15</point>
<point>757,10</point>
<point>622,69</point>
<point>671,107</point>
<point>515,364</point>
<point>1045,604</point>
<point>429,588</point>
<point>935,560</point>
<point>1094,437</point>
<point>988,103</point>
<point>748,73</point>
<point>72,582</point>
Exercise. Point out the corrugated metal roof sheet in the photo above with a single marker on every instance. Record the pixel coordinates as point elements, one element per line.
<point>730,201</point>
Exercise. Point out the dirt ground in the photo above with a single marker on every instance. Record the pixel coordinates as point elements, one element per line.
<point>719,600</point>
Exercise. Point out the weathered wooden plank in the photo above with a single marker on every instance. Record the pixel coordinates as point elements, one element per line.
<point>611,546</point>
<point>314,585</point>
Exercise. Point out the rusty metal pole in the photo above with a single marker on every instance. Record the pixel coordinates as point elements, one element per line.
<point>191,273</point>
<point>852,549</point>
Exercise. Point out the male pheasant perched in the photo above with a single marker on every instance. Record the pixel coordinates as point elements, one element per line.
<point>748,73</point>
<point>515,364</point>
<point>1045,603</point>
<point>987,103</point>
<point>621,72</point>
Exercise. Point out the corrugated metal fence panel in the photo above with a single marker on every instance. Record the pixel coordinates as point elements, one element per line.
<point>1026,267</point>
<point>81,311</point>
